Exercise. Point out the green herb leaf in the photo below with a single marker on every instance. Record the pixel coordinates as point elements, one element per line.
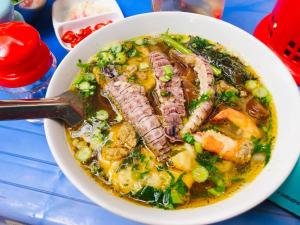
<point>228,98</point>
<point>189,138</point>
<point>196,102</point>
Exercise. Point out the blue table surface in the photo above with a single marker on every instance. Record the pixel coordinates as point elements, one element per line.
<point>33,189</point>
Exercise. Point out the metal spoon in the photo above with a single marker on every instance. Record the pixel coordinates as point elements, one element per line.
<point>68,107</point>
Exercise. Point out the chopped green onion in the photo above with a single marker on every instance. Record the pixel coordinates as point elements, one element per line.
<point>200,174</point>
<point>106,56</point>
<point>188,138</point>
<point>168,70</point>
<point>217,71</point>
<point>116,48</point>
<point>213,192</point>
<point>260,92</point>
<point>165,78</point>
<point>139,41</point>
<point>79,78</point>
<point>198,147</point>
<point>84,86</point>
<point>119,117</point>
<point>82,65</point>
<point>172,43</point>
<point>165,93</point>
<point>143,66</point>
<point>251,84</point>
<point>102,115</point>
<point>176,198</point>
<point>237,179</point>
<point>132,79</point>
<point>83,154</point>
<point>152,41</point>
<point>185,38</point>
<point>120,58</point>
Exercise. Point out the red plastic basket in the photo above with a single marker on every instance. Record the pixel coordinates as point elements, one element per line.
<point>280,30</point>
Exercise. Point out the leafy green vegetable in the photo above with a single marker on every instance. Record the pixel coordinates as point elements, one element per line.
<point>208,160</point>
<point>228,98</point>
<point>189,138</point>
<point>154,196</point>
<point>179,185</point>
<point>263,146</point>
<point>233,70</point>
<point>174,194</point>
<point>132,158</point>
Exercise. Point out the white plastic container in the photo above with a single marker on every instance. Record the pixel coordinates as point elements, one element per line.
<point>61,11</point>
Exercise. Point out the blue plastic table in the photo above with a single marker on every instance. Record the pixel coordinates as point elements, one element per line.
<point>33,189</point>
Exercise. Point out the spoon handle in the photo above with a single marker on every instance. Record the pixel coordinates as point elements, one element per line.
<point>61,107</point>
<point>31,109</point>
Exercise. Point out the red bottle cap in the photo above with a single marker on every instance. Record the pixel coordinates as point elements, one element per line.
<point>24,58</point>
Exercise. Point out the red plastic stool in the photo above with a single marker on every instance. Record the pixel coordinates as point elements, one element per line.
<point>280,30</point>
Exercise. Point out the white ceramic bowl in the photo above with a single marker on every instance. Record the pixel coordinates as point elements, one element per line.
<point>274,74</point>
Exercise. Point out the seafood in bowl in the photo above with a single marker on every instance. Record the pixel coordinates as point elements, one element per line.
<point>173,120</point>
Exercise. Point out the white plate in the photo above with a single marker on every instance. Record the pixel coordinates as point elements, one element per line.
<point>60,11</point>
<point>273,73</point>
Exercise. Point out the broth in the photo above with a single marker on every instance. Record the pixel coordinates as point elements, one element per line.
<point>203,166</point>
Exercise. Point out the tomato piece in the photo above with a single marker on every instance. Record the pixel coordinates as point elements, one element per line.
<point>68,36</point>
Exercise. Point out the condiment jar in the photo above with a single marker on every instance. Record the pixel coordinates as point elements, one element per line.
<point>26,64</point>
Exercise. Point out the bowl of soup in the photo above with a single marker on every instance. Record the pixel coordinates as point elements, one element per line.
<point>186,116</point>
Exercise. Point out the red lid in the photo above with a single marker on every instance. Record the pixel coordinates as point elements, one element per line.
<point>24,58</point>
<point>280,31</point>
